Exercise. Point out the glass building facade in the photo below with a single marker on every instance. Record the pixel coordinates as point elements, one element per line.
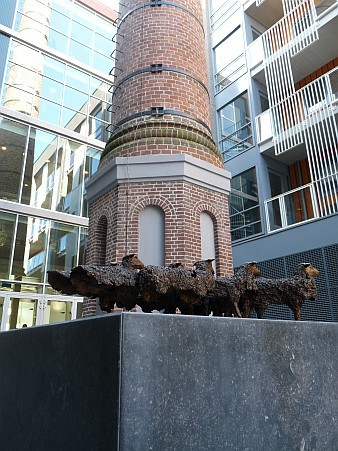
<point>55,59</point>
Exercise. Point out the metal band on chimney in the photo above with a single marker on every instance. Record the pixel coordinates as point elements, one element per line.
<point>177,5</point>
<point>160,111</point>
<point>164,68</point>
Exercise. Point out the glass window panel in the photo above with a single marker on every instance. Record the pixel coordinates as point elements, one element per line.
<point>235,126</point>
<point>79,52</point>
<point>103,45</point>
<point>20,254</point>
<point>79,307</point>
<point>92,163</point>
<point>58,41</point>
<point>34,262</point>
<point>49,111</point>
<point>17,74</point>
<point>98,88</point>
<point>40,178</point>
<point>18,286</point>
<point>83,15</point>
<point>58,311</point>
<point>13,137</point>
<point>244,205</point>
<point>54,69</point>
<point>77,79</point>
<point>97,129</point>
<point>102,63</point>
<point>229,50</point>
<point>7,230</point>
<point>4,43</point>
<point>63,247</point>
<point>63,6</point>
<point>82,34</point>
<point>104,27</point>
<point>72,172</point>
<point>7,12</point>
<point>22,313</point>
<point>23,22</point>
<point>76,100</point>
<point>51,90</point>
<point>74,121</point>
<point>60,22</point>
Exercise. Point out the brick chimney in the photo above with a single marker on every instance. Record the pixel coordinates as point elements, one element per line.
<point>161,152</point>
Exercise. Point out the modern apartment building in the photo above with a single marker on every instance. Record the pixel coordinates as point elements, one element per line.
<point>55,59</point>
<point>275,77</point>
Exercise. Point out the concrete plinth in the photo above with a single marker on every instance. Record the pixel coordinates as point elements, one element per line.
<point>168,382</point>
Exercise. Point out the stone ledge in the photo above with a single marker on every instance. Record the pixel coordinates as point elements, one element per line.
<point>170,382</point>
<point>157,168</point>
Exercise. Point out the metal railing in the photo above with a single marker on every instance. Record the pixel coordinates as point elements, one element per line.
<point>308,202</point>
<point>230,73</point>
<point>313,103</point>
<point>236,142</point>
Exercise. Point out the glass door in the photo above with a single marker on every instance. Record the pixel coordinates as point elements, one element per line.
<point>19,310</point>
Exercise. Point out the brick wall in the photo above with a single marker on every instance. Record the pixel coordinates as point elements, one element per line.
<point>174,37</point>
<point>182,203</point>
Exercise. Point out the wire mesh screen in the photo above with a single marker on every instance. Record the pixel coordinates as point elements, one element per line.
<point>326,261</point>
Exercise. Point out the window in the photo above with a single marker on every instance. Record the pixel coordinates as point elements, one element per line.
<point>73,30</point>
<point>229,60</point>
<point>255,34</point>
<point>235,127</point>
<point>47,170</point>
<point>264,101</point>
<point>245,219</point>
<point>221,10</point>
<point>55,92</point>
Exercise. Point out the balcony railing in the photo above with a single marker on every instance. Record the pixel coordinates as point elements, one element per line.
<point>311,201</point>
<point>236,142</point>
<point>230,73</point>
<point>313,102</point>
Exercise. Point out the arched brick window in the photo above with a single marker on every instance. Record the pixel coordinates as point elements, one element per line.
<point>101,240</point>
<point>208,248</point>
<point>151,236</point>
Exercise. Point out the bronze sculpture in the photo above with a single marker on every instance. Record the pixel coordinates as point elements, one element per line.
<point>193,291</point>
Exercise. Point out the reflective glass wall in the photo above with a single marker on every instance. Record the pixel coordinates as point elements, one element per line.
<point>70,28</point>
<point>43,169</point>
<point>56,92</point>
<point>55,58</point>
<point>31,246</point>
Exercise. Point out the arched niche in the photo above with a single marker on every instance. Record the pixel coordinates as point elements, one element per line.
<point>101,240</point>
<point>152,236</point>
<point>208,248</point>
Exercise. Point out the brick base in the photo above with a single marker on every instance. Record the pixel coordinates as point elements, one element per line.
<point>182,203</point>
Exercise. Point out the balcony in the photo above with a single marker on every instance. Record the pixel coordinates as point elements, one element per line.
<point>305,112</point>
<point>290,34</point>
<point>312,201</point>
<point>266,12</point>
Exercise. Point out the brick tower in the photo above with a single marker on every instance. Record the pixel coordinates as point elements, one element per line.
<point>161,153</point>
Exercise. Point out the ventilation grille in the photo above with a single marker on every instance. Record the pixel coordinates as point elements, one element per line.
<point>326,261</point>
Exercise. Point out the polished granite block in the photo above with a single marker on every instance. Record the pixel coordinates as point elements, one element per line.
<point>170,382</point>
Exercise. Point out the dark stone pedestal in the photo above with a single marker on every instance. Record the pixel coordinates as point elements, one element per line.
<point>155,382</point>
